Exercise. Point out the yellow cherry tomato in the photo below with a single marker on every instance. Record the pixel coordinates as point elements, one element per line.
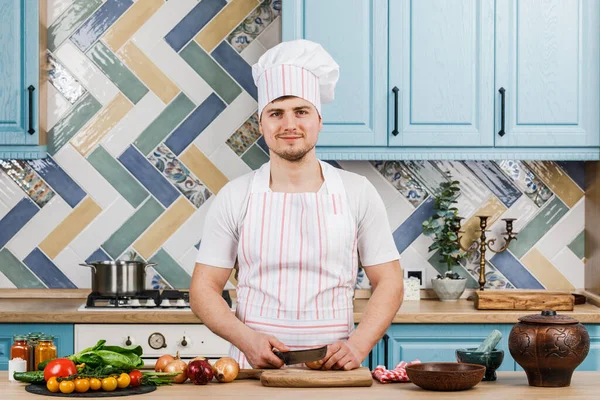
<point>95,383</point>
<point>123,381</point>
<point>66,386</point>
<point>109,384</point>
<point>82,385</point>
<point>52,385</point>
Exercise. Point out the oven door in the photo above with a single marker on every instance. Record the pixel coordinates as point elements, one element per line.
<point>156,340</point>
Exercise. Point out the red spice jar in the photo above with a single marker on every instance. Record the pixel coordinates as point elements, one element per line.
<point>21,349</point>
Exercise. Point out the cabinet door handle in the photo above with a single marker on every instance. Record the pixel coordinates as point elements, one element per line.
<point>502,111</point>
<point>371,360</point>
<point>31,131</point>
<point>395,90</point>
<point>386,339</point>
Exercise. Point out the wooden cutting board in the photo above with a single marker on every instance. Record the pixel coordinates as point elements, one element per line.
<point>302,377</point>
<point>523,300</point>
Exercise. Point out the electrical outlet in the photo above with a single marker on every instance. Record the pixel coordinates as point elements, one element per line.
<point>417,273</point>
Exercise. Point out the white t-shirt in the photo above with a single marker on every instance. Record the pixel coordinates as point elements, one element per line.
<point>223,222</point>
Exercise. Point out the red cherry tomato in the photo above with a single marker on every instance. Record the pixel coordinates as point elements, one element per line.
<point>136,378</point>
<point>60,367</point>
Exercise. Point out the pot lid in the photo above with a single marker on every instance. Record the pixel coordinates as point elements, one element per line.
<point>548,317</point>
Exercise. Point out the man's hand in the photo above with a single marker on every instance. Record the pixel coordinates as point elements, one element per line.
<point>341,355</point>
<point>259,351</point>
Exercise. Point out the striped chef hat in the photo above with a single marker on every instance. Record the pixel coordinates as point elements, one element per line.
<point>296,68</point>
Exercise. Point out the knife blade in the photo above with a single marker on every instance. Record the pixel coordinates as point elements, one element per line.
<point>301,356</point>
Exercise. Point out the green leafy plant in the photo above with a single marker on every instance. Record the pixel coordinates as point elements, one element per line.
<point>444,224</point>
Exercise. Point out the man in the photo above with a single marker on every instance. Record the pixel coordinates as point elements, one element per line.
<point>296,228</point>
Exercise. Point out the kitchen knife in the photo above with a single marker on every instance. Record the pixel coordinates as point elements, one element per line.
<point>301,356</point>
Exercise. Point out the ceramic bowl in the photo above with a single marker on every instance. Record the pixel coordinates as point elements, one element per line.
<point>490,360</point>
<point>445,376</point>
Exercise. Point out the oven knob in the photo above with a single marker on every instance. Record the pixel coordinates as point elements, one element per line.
<point>128,342</point>
<point>165,303</point>
<point>134,303</point>
<point>180,303</point>
<point>157,341</point>
<point>184,342</point>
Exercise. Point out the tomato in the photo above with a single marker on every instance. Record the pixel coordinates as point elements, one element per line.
<point>60,367</point>
<point>66,386</point>
<point>95,383</point>
<point>52,385</point>
<point>123,381</point>
<point>109,384</point>
<point>136,377</point>
<point>82,385</point>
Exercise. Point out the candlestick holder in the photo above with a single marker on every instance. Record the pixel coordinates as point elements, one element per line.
<point>483,243</point>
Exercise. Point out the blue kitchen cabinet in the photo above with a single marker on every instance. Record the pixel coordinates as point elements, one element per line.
<point>548,63</point>
<point>355,33</point>
<point>438,343</point>
<point>465,79</point>
<point>63,338</point>
<point>19,82</point>
<point>441,61</point>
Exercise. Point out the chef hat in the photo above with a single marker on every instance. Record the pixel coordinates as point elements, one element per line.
<point>296,68</point>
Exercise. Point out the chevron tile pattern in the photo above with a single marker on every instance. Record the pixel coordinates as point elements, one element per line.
<point>152,111</point>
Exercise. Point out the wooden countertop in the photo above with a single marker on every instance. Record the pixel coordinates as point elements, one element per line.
<point>510,385</point>
<point>60,306</point>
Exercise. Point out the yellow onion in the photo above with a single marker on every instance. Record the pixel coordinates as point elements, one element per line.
<point>226,369</point>
<point>162,362</point>
<point>177,365</point>
<point>314,364</point>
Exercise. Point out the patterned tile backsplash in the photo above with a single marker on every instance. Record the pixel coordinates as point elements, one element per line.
<point>153,110</point>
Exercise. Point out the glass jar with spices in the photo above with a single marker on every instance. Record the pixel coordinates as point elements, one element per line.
<point>33,339</point>
<point>45,350</point>
<point>21,349</point>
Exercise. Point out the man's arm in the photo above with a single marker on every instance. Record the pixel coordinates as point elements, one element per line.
<point>208,304</point>
<point>387,283</point>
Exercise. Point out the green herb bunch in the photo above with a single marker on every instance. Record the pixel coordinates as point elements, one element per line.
<point>444,224</point>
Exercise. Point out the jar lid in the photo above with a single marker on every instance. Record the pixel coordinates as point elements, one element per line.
<point>19,337</point>
<point>548,317</point>
<point>35,334</point>
<point>46,337</point>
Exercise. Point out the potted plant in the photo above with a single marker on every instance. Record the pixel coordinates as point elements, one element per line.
<point>443,227</point>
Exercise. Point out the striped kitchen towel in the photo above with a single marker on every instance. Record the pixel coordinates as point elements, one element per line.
<point>397,374</point>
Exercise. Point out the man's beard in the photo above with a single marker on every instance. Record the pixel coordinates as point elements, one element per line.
<point>294,155</point>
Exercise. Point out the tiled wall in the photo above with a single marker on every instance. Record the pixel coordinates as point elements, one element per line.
<point>151,110</point>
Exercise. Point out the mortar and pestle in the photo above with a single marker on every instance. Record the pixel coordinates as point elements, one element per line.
<point>486,354</point>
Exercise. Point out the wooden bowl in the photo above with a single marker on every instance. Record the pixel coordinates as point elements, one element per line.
<point>445,376</point>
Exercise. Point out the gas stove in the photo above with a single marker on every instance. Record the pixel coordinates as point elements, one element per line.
<point>150,300</point>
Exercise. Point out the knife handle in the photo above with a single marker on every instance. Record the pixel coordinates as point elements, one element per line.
<point>250,374</point>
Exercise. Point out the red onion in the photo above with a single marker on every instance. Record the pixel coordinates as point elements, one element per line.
<point>200,372</point>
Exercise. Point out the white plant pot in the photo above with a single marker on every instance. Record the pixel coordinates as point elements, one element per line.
<point>448,289</point>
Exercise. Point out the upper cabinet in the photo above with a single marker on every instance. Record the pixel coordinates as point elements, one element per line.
<point>466,79</point>
<point>355,33</point>
<point>547,61</point>
<point>442,64</point>
<point>19,80</point>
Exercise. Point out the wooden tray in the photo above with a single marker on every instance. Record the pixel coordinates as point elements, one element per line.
<point>523,300</point>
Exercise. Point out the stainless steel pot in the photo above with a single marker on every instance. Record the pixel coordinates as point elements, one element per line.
<point>122,278</point>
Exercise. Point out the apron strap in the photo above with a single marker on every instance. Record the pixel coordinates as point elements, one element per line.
<point>262,178</point>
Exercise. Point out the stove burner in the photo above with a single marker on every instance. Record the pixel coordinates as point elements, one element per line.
<point>96,299</point>
<point>167,298</point>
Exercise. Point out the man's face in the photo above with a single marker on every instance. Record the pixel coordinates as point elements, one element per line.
<point>291,127</point>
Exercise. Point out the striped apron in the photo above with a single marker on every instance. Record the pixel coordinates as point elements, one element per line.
<point>298,262</point>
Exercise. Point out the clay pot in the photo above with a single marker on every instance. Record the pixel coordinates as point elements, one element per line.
<point>549,347</point>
